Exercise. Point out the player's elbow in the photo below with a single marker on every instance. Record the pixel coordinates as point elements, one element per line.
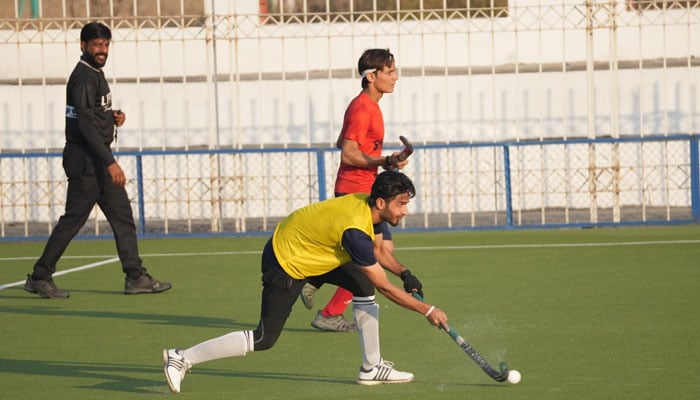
<point>347,160</point>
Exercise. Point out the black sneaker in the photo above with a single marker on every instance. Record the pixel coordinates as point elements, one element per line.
<point>145,284</point>
<point>45,288</point>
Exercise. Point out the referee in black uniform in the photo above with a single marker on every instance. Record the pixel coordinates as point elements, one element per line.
<point>94,176</point>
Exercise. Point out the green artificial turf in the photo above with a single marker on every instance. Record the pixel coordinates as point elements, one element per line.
<point>582,314</point>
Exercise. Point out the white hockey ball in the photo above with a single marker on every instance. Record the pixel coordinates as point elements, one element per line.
<point>513,376</point>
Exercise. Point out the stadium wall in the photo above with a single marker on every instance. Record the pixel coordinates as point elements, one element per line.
<point>267,98</point>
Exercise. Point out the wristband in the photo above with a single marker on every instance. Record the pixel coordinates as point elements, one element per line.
<point>430,310</point>
<point>387,161</point>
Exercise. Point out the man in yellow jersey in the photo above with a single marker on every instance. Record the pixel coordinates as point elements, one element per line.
<point>331,241</point>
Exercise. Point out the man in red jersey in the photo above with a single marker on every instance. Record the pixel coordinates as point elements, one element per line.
<point>360,142</point>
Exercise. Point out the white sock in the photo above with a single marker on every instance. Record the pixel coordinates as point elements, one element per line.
<point>366,313</point>
<point>234,344</point>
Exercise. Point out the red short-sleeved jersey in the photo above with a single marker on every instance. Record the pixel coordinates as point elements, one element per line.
<point>363,123</point>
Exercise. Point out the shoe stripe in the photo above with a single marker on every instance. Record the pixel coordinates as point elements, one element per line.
<point>382,374</point>
<point>179,364</point>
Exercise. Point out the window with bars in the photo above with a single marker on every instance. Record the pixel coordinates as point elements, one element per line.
<point>348,10</point>
<point>651,5</point>
<point>91,9</point>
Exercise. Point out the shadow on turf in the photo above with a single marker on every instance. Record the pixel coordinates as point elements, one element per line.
<point>52,309</point>
<point>111,377</point>
<point>296,377</point>
<point>157,319</point>
<point>108,374</point>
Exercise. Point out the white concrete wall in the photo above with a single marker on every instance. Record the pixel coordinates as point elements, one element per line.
<point>454,106</point>
<point>459,83</point>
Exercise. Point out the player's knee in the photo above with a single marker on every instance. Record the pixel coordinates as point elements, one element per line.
<point>263,342</point>
<point>364,289</point>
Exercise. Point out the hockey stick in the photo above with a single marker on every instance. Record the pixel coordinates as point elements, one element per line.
<point>407,149</point>
<point>499,376</point>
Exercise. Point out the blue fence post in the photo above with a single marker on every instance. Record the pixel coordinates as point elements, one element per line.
<point>694,179</point>
<point>321,171</point>
<point>509,199</point>
<point>139,184</point>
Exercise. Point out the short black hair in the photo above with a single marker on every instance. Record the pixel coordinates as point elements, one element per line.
<point>390,184</point>
<point>94,30</point>
<point>374,59</point>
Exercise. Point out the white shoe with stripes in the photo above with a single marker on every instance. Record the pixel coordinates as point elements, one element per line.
<point>383,372</point>
<point>175,366</point>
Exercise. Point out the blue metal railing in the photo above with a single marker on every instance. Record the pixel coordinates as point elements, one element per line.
<point>694,179</point>
<point>319,177</point>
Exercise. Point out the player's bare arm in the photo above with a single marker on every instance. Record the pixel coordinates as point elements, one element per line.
<point>383,252</point>
<point>350,154</point>
<point>375,273</point>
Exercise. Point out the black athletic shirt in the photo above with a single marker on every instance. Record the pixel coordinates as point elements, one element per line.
<point>89,118</point>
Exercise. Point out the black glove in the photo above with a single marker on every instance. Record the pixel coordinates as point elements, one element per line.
<point>411,283</point>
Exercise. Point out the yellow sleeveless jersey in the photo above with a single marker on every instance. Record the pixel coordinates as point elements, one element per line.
<point>309,241</point>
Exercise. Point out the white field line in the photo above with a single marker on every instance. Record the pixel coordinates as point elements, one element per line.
<point>216,253</point>
<point>67,271</point>
<point>550,245</point>
<point>420,248</point>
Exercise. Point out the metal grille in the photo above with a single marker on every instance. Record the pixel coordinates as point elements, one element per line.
<point>594,182</point>
<point>203,92</point>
